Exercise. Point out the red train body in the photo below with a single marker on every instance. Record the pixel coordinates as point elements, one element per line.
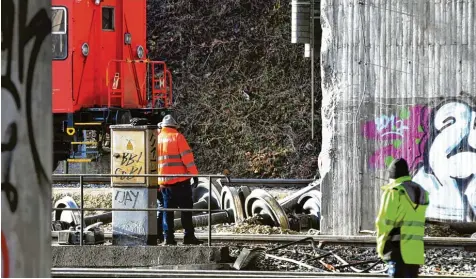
<point>101,75</point>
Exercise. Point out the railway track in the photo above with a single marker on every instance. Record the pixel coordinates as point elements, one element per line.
<point>161,273</point>
<point>430,242</point>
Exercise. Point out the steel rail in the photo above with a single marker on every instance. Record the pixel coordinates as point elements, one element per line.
<point>148,273</point>
<point>430,242</point>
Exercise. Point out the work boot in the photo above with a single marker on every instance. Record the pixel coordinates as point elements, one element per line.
<point>191,240</point>
<point>160,240</point>
<point>169,242</point>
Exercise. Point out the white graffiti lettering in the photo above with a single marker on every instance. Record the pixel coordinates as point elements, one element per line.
<point>450,175</point>
<point>390,125</point>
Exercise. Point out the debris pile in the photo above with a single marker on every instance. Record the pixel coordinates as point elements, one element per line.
<point>438,261</point>
<point>258,211</point>
<point>244,211</point>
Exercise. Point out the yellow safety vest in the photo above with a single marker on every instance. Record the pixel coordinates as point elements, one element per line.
<point>397,210</point>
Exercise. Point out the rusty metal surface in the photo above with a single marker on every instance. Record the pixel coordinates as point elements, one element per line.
<point>260,202</point>
<point>231,200</point>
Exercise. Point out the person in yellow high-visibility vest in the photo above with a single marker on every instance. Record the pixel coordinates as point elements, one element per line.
<point>401,222</point>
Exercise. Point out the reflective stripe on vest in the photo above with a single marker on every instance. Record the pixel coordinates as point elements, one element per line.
<point>406,237</point>
<point>174,156</point>
<point>171,164</point>
<point>404,223</point>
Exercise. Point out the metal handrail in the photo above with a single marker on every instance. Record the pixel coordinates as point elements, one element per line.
<point>82,209</point>
<point>277,182</point>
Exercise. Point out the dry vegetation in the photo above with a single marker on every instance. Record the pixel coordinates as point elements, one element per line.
<point>242,90</point>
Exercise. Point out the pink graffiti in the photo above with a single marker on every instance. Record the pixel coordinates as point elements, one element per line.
<point>399,135</point>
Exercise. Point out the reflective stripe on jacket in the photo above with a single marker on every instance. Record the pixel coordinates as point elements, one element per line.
<point>399,211</point>
<point>174,156</point>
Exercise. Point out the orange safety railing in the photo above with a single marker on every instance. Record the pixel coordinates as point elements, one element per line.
<point>160,90</point>
<point>161,86</point>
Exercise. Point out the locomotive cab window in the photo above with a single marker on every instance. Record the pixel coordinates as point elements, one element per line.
<point>59,34</point>
<point>108,18</point>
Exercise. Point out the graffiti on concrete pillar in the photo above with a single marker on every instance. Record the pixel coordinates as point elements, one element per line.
<point>401,134</point>
<point>127,197</point>
<point>33,32</point>
<point>26,136</point>
<point>439,143</point>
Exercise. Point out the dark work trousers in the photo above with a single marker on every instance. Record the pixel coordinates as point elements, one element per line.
<point>178,195</point>
<point>399,269</point>
<point>160,216</point>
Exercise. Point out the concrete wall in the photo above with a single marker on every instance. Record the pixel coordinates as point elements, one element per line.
<point>26,138</point>
<point>398,80</point>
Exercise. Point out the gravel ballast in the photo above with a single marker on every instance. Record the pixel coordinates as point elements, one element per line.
<point>438,261</point>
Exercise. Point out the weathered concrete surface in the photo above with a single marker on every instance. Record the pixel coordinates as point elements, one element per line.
<point>137,256</point>
<point>27,138</point>
<point>397,82</point>
<point>134,227</point>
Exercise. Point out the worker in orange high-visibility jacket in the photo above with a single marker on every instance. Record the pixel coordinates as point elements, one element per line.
<point>160,204</point>
<point>174,156</point>
<point>401,222</point>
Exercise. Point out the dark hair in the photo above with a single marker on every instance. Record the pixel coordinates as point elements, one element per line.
<point>398,168</point>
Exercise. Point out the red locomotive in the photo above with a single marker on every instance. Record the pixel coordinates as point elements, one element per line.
<point>101,75</point>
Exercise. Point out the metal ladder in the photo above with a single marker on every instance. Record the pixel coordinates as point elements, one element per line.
<point>116,91</point>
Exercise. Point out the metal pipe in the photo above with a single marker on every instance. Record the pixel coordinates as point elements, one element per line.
<point>202,220</point>
<point>105,218</point>
<point>57,178</point>
<point>72,175</point>
<point>200,204</point>
<point>82,211</point>
<point>86,179</point>
<point>198,221</point>
<point>312,68</point>
<point>209,211</point>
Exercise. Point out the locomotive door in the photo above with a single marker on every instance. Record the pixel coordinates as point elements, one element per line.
<point>62,61</point>
<point>110,27</point>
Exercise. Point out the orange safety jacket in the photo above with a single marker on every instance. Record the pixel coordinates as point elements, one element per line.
<point>174,156</point>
